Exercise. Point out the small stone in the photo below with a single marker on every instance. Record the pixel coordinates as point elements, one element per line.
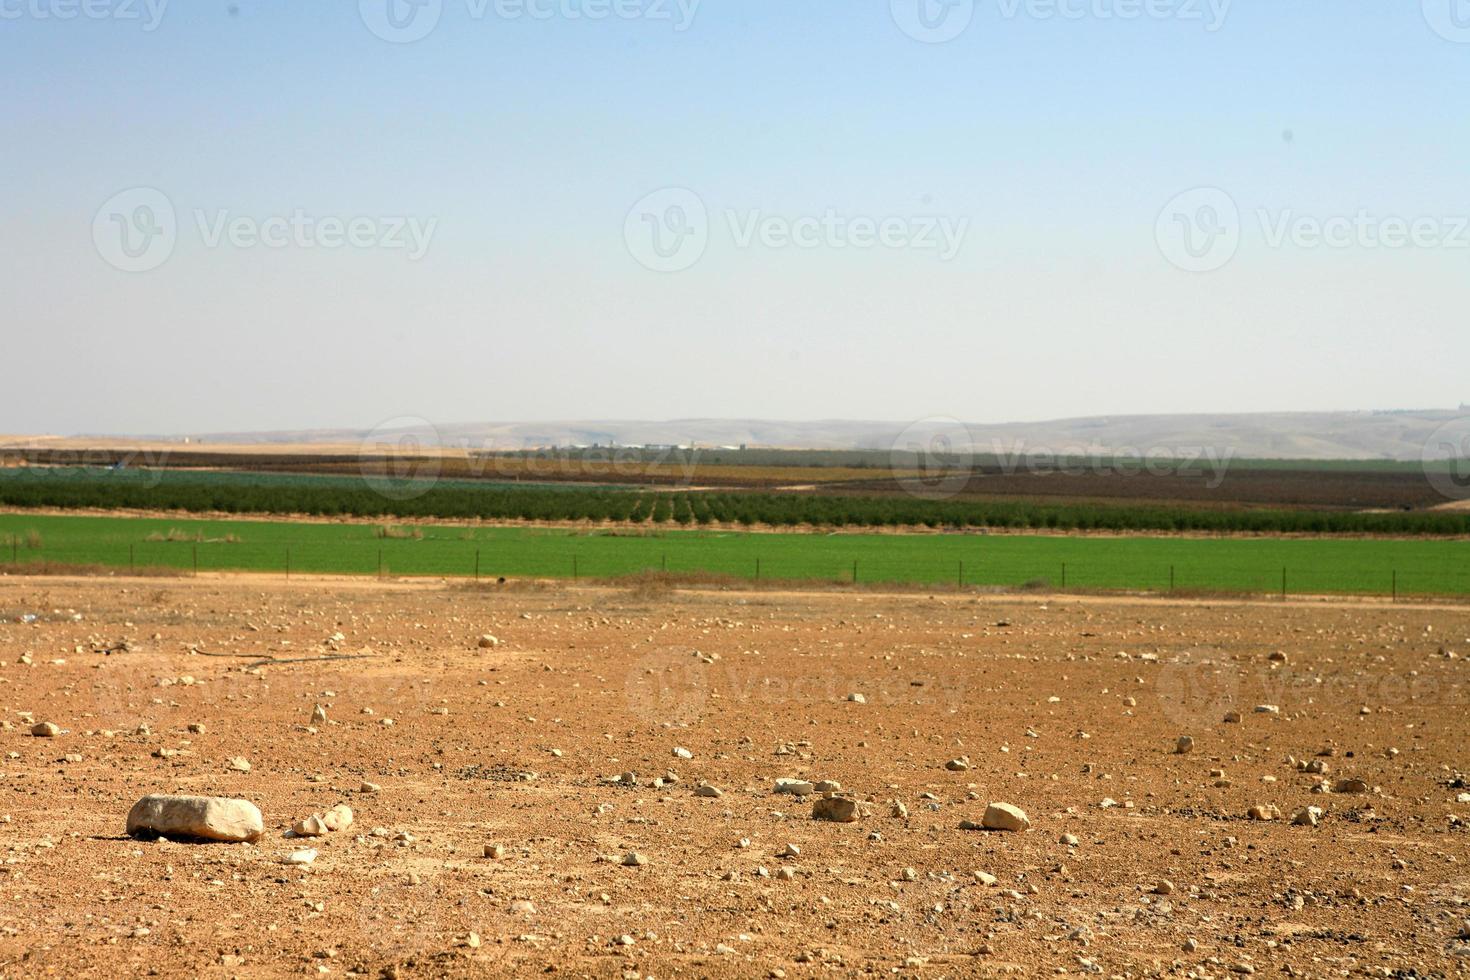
<point>319,715</point>
<point>312,826</point>
<point>494,851</point>
<point>856,698</point>
<point>986,879</point>
<point>1164,887</point>
<point>796,787</point>
<point>708,792</point>
<point>838,809</point>
<point>338,817</point>
<point>1005,816</point>
<point>472,940</point>
<point>368,787</point>
<point>1069,840</point>
<point>523,907</point>
<point>1277,657</point>
<point>1267,709</point>
<point>239,763</point>
<point>1307,816</point>
<point>1184,746</point>
<point>1262,811</point>
<point>1350,786</point>
<point>45,729</point>
<point>908,874</point>
<point>487,642</point>
<point>301,857</point>
<point>827,786</point>
<point>785,874</point>
<point>196,729</point>
<point>900,810</point>
<point>1232,717</point>
<point>682,753</point>
<point>634,860</point>
<point>957,765</point>
<point>201,817</point>
<point>789,851</point>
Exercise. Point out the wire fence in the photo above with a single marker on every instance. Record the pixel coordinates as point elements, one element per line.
<point>575,557</point>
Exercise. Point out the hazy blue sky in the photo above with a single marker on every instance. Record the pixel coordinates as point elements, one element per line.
<point>591,209</point>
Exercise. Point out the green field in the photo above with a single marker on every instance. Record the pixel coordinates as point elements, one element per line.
<point>1312,565</point>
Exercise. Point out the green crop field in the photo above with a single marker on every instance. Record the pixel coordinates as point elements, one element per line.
<point>1311,565</point>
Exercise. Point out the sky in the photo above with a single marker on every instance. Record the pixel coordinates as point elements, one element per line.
<point>277,214</point>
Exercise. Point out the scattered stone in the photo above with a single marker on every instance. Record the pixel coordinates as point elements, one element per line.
<point>838,809</point>
<point>301,857</point>
<point>45,729</point>
<point>196,817</point>
<point>488,642</point>
<point>494,851</point>
<point>1267,709</point>
<point>796,787</point>
<point>1184,746</point>
<point>682,753</point>
<point>1263,811</point>
<point>827,786</point>
<point>1069,840</point>
<point>900,810</point>
<point>708,792</point>
<point>957,765</point>
<point>856,698</point>
<point>1164,887</point>
<point>786,874</point>
<point>1350,786</point>
<point>789,851</point>
<point>196,729</point>
<point>634,860</point>
<point>368,787</point>
<point>319,715</point>
<point>1005,816</point>
<point>1232,717</point>
<point>239,763</point>
<point>1307,816</point>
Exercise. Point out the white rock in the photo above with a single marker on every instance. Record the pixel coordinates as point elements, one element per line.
<point>837,809</point>
<point>796,787</point>
<point>856,698</point>
<point>1005,816</point>
<point>682,753</point>
<point>202,817</point>
<point>303,856</point>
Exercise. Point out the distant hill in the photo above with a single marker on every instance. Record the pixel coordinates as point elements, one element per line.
<point>1375,435</point>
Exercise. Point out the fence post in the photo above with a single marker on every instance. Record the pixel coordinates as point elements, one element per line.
<point>1064,575</point>
<point>757,569</point>
<point>1395,585</point>
<point>15,549</point>
<point>1283,583</point>
<point>1171,578</point>
<point>665,565</point>
<point>288,563</point>
<point>132,566</point>
<point>575,574</point>
<point>196,561</point>
<point>854,571</point>
<point>477,564</point>
<point>961,579</point>
<point>380,564</point>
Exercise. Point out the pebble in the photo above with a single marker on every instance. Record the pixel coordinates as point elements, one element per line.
<point>1164,887</point>
<point>1184,746</point>
<point>494,851</point>
<point>367,787</point>
<point>1005,816</point>
<point>1350,786</point>
<point>487,642</point>
<point>708,792</point>
<point>957,765</point>
<point>201,817</point>
<point>634,860</point>
<point>45,729</point>
<point>240,764</point>
<point>682,753</point>
<point>1267,709</point>
<point>856,698</point>
<point>304,856</point>
<point>789,851</point>
<point>796,787</point>
<point>1262,811</point>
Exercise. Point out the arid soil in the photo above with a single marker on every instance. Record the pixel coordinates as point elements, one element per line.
<point>1139,860</point>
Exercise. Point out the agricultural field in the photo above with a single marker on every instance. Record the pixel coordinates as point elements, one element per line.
<point>436,781</point>
<point>1307,565</point>
<point>424,495</point>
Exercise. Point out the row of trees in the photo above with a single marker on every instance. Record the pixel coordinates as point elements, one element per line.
<point>340,497</point>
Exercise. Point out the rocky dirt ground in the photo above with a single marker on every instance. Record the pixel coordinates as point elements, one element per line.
<point>493,825</point>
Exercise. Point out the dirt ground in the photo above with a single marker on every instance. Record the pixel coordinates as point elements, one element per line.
<point>1139,860</point>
